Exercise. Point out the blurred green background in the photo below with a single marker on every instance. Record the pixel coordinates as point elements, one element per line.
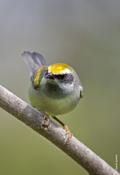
<point>84,34</point>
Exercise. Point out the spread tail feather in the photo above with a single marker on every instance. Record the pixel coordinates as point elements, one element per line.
<point>34,60</point>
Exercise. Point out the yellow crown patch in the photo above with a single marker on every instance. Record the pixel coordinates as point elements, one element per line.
<point>58,68</point>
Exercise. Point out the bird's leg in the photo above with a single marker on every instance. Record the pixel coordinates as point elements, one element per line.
<point>59,121</point>
<point>66,128</point>
<point>45,121</point>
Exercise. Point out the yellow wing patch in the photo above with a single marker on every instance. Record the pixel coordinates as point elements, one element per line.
<point>37,77</point>
<point>58,68</point>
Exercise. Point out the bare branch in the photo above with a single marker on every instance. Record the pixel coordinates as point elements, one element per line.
<point>75,149</point>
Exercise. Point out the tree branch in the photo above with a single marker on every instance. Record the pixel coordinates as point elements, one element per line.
<point>75,149</point>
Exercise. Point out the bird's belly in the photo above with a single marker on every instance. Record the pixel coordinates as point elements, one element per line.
<point>53,106</point>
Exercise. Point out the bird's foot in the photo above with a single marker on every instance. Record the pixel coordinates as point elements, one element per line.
<point>68,133</point>
<point>66,128</point>
<point>45,122</point>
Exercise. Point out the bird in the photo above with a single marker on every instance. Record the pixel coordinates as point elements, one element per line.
<point>54,89</point>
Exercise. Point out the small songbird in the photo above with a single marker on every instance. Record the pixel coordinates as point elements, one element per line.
<point>54,89</point>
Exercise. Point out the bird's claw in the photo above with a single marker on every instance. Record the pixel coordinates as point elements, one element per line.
<point>68,134</point>
<point>45,122</point>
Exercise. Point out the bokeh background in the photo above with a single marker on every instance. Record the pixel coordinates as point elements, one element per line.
<point>84,34</point>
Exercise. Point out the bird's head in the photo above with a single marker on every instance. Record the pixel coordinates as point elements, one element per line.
<point>60,73</point>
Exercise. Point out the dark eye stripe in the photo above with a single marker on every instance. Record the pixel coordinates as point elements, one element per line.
<point>60,76</point>
<point>68,78</point>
